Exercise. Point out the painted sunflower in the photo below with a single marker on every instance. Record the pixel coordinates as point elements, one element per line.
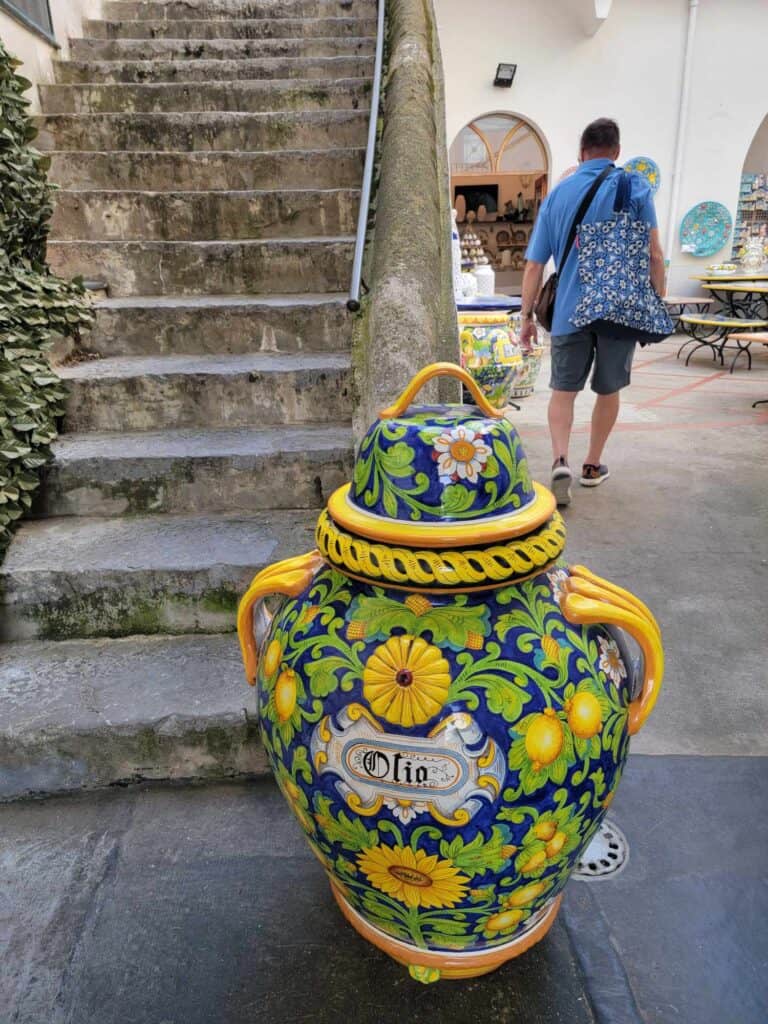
<point>415,878</point>
<point>406,680</point>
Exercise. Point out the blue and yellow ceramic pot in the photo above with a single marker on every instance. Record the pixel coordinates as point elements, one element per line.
<point>489,349</point>
<point>446,704</point>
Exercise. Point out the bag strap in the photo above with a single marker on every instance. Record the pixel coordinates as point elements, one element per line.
<point>585,204</point>
<point>623,193</point>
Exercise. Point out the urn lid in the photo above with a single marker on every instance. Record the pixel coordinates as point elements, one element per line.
<point>436,476</point>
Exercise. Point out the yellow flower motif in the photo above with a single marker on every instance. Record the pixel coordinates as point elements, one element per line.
<point>415,878</point>
<point>406,680</point>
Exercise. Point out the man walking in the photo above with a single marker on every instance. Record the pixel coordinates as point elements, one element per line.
<point>575,351</point>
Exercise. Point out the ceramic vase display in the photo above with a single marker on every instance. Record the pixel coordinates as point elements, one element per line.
<point>446,704</point>
<point>532,356</point>
<point>486,279</point>
<point>468,287</point>
<point>489,350</point>
<point>754,254</point>
<point>458,290</point>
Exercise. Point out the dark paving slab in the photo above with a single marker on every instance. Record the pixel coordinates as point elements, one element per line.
<point>688,916</point>
<point>202,905</point>
<point>195,906</point>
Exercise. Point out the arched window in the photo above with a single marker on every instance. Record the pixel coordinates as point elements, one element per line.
<point>499,175</point>
<point>498,143</point>
<point>752,208</point>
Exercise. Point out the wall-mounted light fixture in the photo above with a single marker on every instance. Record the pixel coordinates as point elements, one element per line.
<point>505,75</point>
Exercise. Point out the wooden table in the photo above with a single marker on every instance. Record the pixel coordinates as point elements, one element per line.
<point>761,338</point>
<point>735,277</point>
<point>714,331</point>
<point>747,299</point>
<point>679,304</point>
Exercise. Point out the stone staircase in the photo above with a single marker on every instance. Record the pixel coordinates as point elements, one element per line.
<point>209,154</point>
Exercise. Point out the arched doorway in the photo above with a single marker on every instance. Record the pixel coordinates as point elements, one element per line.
<point>752,209</point>
<point>499,177</point>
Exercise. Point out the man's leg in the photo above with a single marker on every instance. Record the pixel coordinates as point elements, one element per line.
<point>604,416</point>
<point>572,356</point>
<point>613,368</point>
<point>560,415</point>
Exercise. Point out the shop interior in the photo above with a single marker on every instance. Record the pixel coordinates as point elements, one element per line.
<point>499,178</point>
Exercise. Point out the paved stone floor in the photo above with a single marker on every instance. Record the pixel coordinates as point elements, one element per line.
<point>201,905</point>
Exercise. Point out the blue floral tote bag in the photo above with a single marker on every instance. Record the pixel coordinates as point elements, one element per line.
<point>614,265</point>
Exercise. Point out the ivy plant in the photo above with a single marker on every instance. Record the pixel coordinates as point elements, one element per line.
<point>35,306</point>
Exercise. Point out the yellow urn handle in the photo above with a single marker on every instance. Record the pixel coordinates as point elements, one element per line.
<point>590,600</point>
<point>289,578</point>
<point>440,370</point>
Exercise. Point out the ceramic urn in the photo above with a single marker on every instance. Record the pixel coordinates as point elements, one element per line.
<point>446,703</point>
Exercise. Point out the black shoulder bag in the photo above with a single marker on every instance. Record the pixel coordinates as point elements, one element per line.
<point>544,307</point>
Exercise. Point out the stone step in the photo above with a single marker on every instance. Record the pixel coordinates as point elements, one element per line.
<point>191,268</point>
<point>219,49</point>
<point>219,325</point>
<point>77,714</point>
<point>75,578</point>
<point>183,10</point>
<point>202,171</point>
<point>245,97</point>
<point>306,68</point>
<point>204,131</point>
<point>246,470</point>
<point>196,216</point>
<point>256,28</point>
<point>165,392</point>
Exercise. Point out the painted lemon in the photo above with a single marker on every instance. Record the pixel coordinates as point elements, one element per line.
<point>584,716</point>
<point>526,895</point>
<point>544,830</point>
<point>555,845</point>
<point>272,658</point>
<point>504,921</point>
<point>534,862</point>
<point>544,739</point>
<point>285,694</point>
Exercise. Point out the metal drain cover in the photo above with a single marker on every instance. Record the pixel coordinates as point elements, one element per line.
<point>606,855</point>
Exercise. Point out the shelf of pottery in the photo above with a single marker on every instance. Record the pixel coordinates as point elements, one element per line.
<point>502,242</point>
<point>751,212</point>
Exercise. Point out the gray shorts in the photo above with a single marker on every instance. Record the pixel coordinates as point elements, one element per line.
<point>573,355</point>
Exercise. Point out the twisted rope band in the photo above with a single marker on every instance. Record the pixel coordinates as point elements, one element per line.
<point>500,563</point>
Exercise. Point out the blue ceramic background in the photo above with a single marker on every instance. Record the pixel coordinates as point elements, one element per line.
<point>405,468</point>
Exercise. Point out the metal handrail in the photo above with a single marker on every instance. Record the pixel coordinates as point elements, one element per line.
<point>353,301</point>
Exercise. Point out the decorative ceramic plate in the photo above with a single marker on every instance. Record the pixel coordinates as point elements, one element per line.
<point>646,167</point>
<point>705,229</point>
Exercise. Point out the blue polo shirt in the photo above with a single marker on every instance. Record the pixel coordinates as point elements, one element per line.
<point>554,220</point>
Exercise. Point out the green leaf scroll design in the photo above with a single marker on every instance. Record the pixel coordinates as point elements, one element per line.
<point>453,623</point>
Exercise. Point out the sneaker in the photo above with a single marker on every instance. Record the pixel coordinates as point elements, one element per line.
<point>561,481</point>
<point>593,476</point>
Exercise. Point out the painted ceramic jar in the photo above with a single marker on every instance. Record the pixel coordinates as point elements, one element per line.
<point>754,254</point>
<point>446,703</point>
<point>528,372</point>
<point>489,350</point>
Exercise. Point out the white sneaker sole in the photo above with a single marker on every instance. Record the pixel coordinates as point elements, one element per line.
<point>586,482</point>
<point>561,488</point>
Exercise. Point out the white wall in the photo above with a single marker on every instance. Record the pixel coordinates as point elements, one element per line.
<point>36,53</point>
<point>630,69</point>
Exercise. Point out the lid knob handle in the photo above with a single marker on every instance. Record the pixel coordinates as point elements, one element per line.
<point>440,370</point>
